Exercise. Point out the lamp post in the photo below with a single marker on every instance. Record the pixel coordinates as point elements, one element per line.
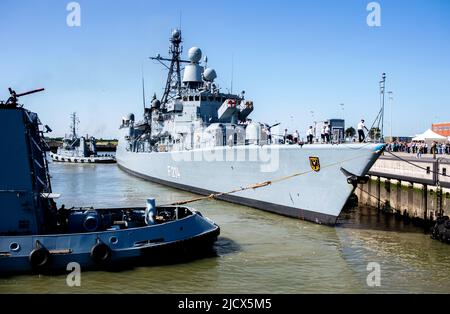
<point>391,101</point>
<point>342,107</point>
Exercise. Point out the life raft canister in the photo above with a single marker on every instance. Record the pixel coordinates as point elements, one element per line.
<point>100,253</point>
<point>39,256</point>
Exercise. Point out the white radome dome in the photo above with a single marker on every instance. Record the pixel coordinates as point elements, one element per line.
<point>176,33</point>
<point>195,54</point>
<point>209,75</point>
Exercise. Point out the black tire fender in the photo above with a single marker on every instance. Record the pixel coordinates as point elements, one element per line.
<point>39,257</point>
<point>101,253</point>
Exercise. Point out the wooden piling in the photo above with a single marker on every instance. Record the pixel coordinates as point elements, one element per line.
<point>378,192</point>
<point>399,195</point>
<point>388,188</point>
<point>425,201</point>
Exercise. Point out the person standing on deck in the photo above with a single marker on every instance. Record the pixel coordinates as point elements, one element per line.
<point>322,134</point>
<point>361,127</point>
<point>296,137</point>
<point>310,135</point>
<point>327,133</point>
<point>269,136</point>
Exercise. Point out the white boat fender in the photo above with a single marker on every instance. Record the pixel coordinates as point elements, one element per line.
<point>39,256</point>
<point>100,252</point>
<point>150,211</point>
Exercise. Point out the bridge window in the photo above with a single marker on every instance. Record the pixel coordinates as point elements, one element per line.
<point>191,98</point>
<point>185,98</point>
<point>197,98</point>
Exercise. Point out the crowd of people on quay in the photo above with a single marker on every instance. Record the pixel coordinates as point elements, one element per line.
<point>419,148</point>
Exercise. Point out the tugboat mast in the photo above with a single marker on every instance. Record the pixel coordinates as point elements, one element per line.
<point>173,84</point>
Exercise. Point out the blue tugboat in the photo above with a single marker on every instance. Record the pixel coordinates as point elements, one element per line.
<point>37,236</point>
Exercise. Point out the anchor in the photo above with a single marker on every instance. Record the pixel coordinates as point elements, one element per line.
<point>353,179</point>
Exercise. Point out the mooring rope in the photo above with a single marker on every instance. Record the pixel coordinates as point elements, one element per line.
<point>259,185</point>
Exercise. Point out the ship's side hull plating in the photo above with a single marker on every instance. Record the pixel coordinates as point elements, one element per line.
<point>306,182</point>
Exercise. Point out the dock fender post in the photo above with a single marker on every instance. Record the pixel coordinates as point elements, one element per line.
<point>39,256</point>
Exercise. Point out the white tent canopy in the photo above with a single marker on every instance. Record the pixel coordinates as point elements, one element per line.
<point>429,135</point>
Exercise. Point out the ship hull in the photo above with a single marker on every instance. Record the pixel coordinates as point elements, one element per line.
<point>306,182</point>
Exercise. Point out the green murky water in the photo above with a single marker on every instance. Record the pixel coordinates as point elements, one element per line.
<point>257,252</point>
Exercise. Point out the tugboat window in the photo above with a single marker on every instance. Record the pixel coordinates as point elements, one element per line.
<point>197,98</point>
<point>191,98</point>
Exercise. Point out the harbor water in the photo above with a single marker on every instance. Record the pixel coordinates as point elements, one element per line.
<point>257,252</point>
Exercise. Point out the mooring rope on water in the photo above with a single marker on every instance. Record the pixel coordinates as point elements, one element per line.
<point>259,185</point>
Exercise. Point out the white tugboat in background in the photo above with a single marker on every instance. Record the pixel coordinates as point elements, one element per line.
<point>78,150</point>
<point>199,139</point>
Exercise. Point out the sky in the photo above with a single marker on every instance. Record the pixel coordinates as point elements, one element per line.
<point>297,60</point>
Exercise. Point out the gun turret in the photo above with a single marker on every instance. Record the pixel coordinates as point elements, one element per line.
<point>12,101</point>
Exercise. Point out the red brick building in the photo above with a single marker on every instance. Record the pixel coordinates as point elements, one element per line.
<point>442,128</point>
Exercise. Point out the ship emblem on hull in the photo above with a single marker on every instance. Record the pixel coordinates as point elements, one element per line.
<point>315,163</point>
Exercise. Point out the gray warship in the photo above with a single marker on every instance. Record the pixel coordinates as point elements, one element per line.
<point>200,139</point>
<point>77,149</point>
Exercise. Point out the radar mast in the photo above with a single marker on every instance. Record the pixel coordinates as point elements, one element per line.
<point>173,84</point>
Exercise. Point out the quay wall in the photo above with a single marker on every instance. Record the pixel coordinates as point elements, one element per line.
<point>412,188</point>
